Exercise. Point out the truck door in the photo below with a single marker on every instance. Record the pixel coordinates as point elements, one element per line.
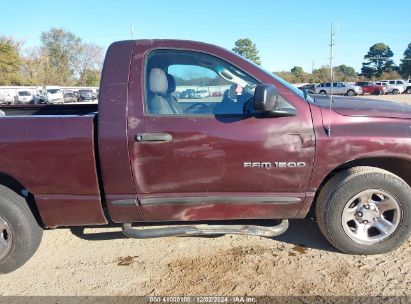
<point>197,153</point>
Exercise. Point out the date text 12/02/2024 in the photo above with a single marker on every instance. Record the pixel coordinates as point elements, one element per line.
<point>201,299</point>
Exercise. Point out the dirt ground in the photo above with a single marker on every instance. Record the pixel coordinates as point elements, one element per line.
<point>99,261</point>
<point>300,262</point>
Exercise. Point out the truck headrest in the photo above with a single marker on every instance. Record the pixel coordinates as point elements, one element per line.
<point>158,81</point>
<point>171,83</point>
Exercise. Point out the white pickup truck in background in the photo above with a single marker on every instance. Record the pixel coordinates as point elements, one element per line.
<point>393,86</point>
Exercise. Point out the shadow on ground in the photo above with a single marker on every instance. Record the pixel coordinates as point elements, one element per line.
<point>303,233</point>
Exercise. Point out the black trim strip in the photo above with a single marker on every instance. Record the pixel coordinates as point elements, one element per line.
<point>221,199</point>
<point>125,203</point>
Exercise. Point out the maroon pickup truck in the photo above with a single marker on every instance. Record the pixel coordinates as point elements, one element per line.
<point>242,152</point>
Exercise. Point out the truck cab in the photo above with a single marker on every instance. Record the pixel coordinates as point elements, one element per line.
<point>260,151</point>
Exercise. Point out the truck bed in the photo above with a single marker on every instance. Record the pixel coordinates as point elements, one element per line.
<point>51,151</point>
<point>50,109</point>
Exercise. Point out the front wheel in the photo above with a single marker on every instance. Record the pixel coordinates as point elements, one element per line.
<point>395,91</point>
<point>20,234</point>
<point>322,92</point>
<point>365,210</point>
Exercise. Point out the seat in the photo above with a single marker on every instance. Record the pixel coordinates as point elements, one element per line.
<point>158,86</point>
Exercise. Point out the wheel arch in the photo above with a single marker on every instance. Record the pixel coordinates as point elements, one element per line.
<point>396,165</point>
<point>14,185</point>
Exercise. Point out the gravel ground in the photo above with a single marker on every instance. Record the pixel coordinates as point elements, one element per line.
<point>300,262</point>
<point>99,261</point>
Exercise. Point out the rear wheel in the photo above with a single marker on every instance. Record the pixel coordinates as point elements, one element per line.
<point>395,91</point>
<point>20,234</point>
<point>322,92</point>
<point>377,92</point>
<point>408,91</point>
<point>350,93</point>
<point>365,210</point>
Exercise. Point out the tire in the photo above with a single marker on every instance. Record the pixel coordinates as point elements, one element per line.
<point>322,92</point>
<point>377,92</point>
<point>337,194</point>
<point>20,234</point>
<point>408,91</point>
<point>395,91</point>
<point>350,93</point>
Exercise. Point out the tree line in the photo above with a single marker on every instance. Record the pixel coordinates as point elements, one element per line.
<point>61,59</point>
<point>378,65</point>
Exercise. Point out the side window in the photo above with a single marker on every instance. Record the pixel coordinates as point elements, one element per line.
<point>328,85</point>
<point>336,85</point>
<point>392,82</point>
<point>194,83</point>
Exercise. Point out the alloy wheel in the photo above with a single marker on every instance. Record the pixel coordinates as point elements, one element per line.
<point>371,216</point>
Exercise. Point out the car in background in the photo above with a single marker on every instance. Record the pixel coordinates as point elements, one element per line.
<point>398,82</point>
<point>53,94</point>
<point>85,95</point>
<point>6,98</point>
<point>23,97</point>
<point>95,94</point>
<point>392,87</point>
<point>39,99</point>
<point>369,87</point>
<point>70,97</point>
<point>408,86</point>
<point>216,94</point>
<point>338,88</point>
<point>309,87</point>
<point>189,93</point>
<point>201,94</point>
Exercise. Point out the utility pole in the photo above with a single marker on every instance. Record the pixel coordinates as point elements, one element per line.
<point>312,67</point>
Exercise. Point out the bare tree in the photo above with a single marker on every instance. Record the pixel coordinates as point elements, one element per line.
<point>89,61</point>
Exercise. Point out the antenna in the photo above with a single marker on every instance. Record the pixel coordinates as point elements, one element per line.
<point>332,43</point>
<point>132,31</point>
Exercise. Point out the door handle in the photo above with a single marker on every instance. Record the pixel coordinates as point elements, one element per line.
<point>153,137</point>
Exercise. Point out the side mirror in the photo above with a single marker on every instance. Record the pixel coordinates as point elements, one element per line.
<point>265,97</point>
<point>267,101</point>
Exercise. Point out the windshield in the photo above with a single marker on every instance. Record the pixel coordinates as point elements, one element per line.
<point>283,82</point>
<point>24,93</point>
<point>53,91</point>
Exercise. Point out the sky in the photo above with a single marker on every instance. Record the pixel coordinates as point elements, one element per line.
<point>287,33</point>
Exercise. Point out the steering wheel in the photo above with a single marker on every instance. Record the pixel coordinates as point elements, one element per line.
<point>196,108</point>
